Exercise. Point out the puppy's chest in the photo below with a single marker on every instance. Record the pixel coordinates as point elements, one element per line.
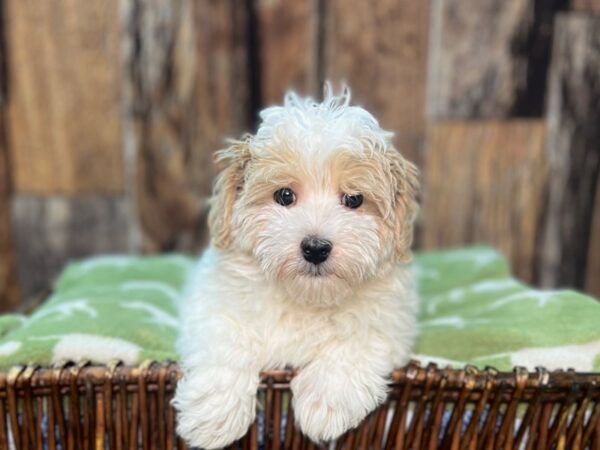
<point>295,339</point>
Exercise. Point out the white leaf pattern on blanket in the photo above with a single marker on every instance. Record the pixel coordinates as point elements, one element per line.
<point>482,287</point>
<point>158,316</point>
<point>152,286</point>
<point>450,321</point>
<point>542,298</point>
<point>10,347</point>
<point>100,349</point>
<point>66,309</point>
<point>581,356</point>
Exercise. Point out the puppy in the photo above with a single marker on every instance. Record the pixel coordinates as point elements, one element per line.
<point>311,223</point>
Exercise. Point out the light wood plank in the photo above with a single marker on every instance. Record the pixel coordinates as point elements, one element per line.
<point>484,183</point>
<point>64,95</point>
<point>380,49</point>
<point>288,48</point>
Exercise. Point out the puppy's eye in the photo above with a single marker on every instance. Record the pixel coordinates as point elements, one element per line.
<point>284,196</point>
<point>352,201</point>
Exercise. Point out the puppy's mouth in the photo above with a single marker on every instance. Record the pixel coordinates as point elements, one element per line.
<point>315,271</point>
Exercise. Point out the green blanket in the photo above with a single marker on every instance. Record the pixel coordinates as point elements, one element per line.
<point>472,311</point>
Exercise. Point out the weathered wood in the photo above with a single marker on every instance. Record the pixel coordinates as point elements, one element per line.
<point>380,49</point>
<point>592,281</point>
<point>288,48</point>
<point>50,231</point>
<point>586,5</point>
<point>9,291</point>
<point>573,149</point>
<point>489,58</point>
<point>484,182</point>
<point>185,89</point>
<point>64,96</point>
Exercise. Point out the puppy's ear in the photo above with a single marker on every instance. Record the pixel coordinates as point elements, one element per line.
<point>406,187</point>
<point>232,162</point>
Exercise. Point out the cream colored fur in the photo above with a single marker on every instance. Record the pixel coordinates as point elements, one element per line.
<point>253,303</point>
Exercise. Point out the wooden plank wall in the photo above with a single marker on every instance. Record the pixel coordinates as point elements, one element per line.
<point>9,291</point>
<point>484,182</point>
<point>573,150</point>
<point>111,110</point>
<point>185,89</point>
<point>390,39</point>
<point>591,8</point>
<point>489,59</point>
<point>65,137</point>
<point>288,48</point>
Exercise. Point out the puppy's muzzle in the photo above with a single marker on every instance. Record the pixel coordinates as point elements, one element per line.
<point>315,250</point>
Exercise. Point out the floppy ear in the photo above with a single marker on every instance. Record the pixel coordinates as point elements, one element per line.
<point>406,180</point>
<point>232,163</point>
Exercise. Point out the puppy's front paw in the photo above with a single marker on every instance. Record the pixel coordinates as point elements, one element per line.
<point>212,419</point>
<point>328,406</point>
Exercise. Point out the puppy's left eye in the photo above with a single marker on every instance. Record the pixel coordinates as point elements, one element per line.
<point>284,196</point>
<point>352,201</point>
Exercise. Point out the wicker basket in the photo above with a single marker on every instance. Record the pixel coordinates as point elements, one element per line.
<point>84,407</point>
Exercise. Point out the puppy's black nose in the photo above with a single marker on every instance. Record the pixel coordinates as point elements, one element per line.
<point>315,250</point>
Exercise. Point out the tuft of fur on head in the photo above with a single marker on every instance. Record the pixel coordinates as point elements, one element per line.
<point>320,150</point>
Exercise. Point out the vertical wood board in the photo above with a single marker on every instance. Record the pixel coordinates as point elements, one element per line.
<point>288,41</point>
<point>484,183</point>
<point>380,50</point>
<point>573,149</point>
<point>63,67</point>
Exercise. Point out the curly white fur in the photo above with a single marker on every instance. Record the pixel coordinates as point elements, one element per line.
<point>254,303</point>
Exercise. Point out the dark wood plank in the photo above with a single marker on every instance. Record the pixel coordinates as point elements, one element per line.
<point>9,291</point>
<point>288,39</point>
<point>489,58</point>
<point>573,149</point>
<point>64,60</point>
<point>485,183</point>
<point>380,49</point>
<point>50,231</point>
<point>185,89</point>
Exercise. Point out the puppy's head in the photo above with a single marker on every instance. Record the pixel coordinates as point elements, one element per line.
<point>319,197</point>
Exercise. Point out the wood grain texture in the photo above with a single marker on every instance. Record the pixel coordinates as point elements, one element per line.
<point>288,48</point>
<point>489,59</point>
<point>592,281</point>
<point>586,5</point>
<point>185,90</point>
<point>9,289</point>
<point>380,49</point>
<point>573,149</point>
<point>50,231</point>
<point>64,96</point>
<point>484,183</point>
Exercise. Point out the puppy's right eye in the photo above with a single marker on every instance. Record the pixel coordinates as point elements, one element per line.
<point>284,196</point>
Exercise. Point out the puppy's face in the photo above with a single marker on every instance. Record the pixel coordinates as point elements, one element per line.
<point>319,197</point>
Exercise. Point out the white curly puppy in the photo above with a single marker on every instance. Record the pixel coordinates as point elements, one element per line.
<point>311,224</point>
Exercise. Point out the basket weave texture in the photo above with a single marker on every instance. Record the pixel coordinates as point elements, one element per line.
<point>78,406</point>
